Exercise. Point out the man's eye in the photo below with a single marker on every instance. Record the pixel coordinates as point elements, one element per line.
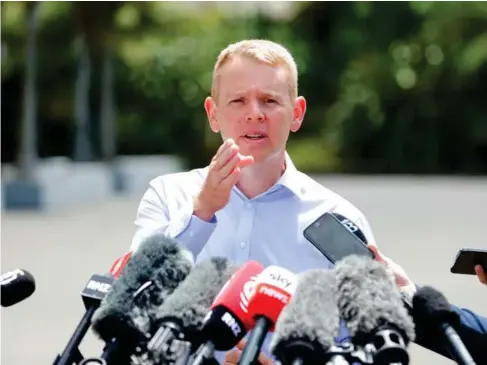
<point>237,101</point>
<point>271,101</point>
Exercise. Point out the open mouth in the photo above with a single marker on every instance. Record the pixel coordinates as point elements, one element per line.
<point>255,136</point>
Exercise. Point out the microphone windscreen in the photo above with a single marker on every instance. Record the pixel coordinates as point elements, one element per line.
<point>311,316</point>
<point>431,306</point>
<point>15,286</point>
<point>159,260</point>
<point>368,298</point>
<point>190,302</point>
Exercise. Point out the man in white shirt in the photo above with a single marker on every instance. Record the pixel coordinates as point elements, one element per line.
<point>250,203</point>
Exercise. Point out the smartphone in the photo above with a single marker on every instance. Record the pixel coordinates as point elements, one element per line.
<point>337,237</point>
<point>467,259</point>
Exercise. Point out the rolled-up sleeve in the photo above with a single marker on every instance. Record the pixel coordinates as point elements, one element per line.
<point>176,220</point>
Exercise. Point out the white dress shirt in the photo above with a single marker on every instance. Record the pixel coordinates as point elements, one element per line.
<point>268,228</point>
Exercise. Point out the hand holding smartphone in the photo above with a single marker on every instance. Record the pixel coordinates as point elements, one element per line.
<point>467,259</point>
<point>337,237</point>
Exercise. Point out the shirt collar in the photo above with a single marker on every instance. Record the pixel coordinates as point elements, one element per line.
<point>291,179</point>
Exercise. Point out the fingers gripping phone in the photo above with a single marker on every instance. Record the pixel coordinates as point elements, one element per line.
<point>337,237</point>
<point>467,259</point>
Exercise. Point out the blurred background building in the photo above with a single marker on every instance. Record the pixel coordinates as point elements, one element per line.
<point>107,95</point>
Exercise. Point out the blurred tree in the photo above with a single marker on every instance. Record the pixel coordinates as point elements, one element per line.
<point>401,85</point>
<point>94,28</point>
<point>28,142</point>
<point>391,88</point>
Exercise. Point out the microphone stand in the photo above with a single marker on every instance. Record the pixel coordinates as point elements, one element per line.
<point>71,353</point>
<point>457,348</point>
<point>256,339</point>
<point>92,295</point>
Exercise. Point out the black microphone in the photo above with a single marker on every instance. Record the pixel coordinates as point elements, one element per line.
<point>370,303</point>
<point>432,310</point>
<point>126,313</point>
<point>182,314</point>
<point>15,286</point>
<point>308,324</point>
<point>92,295</point>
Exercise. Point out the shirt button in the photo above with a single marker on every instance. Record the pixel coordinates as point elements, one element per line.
<point>242,244</point>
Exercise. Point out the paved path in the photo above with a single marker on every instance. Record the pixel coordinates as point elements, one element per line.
<point>420,223</point>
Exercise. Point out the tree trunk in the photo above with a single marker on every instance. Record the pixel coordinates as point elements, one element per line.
<point>82,151</point>
<point>28,144</point>
<point>107,122</point>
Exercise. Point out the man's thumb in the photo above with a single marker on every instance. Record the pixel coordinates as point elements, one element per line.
<point>376,252</point>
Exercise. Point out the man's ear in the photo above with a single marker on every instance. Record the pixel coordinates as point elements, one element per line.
<point>210,107</point>
<point>299,112</point>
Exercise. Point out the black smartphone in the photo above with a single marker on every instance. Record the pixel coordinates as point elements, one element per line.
<point>467,259</point>
<point>336,237</point>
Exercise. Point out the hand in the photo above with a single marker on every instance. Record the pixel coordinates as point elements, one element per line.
<point>224,173</point>
<point>401,278</point>
<point>234,355</point>
<point>481,274</point>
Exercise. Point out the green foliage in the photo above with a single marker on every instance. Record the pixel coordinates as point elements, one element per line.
<point>391,87</point>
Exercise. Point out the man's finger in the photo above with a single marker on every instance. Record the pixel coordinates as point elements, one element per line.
<point>232,357</point>
<point>229,142</point>
<point>481,274</point>
<point>264,360</point>
<point>231,179</point>
<point>229,166</point>
<point>241,344</point>
<point>245,161</point>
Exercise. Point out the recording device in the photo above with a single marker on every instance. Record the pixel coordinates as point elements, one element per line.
<point>126,313</point>
<point>370,303</point>
<point>431,309</point>
<point>336,237</point>
<point>228,320</point>
<point>308,325</point>
<point>467,259</point>
<point>181,315</point>
<point>273,290</point>
<point>15,286</point>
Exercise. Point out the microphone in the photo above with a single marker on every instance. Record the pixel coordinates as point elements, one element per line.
<point>182,314</point>
<point>273,290</point>
<point>126,313</point>
<point>119,264</point>
<point>431,309</point>
<point>228,320</point>
<point>15,286</point>
<point>370,303</point>
<point>308,325</point>
<point>92,295</point>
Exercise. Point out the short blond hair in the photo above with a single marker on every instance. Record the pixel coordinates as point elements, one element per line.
<point>260,50</point>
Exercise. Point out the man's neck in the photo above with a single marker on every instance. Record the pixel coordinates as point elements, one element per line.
<point>259,177</point>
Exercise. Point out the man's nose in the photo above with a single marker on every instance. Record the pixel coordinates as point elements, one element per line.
<point>255,112</point>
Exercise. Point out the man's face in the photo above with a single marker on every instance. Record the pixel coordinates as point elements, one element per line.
<point>254,107</point>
